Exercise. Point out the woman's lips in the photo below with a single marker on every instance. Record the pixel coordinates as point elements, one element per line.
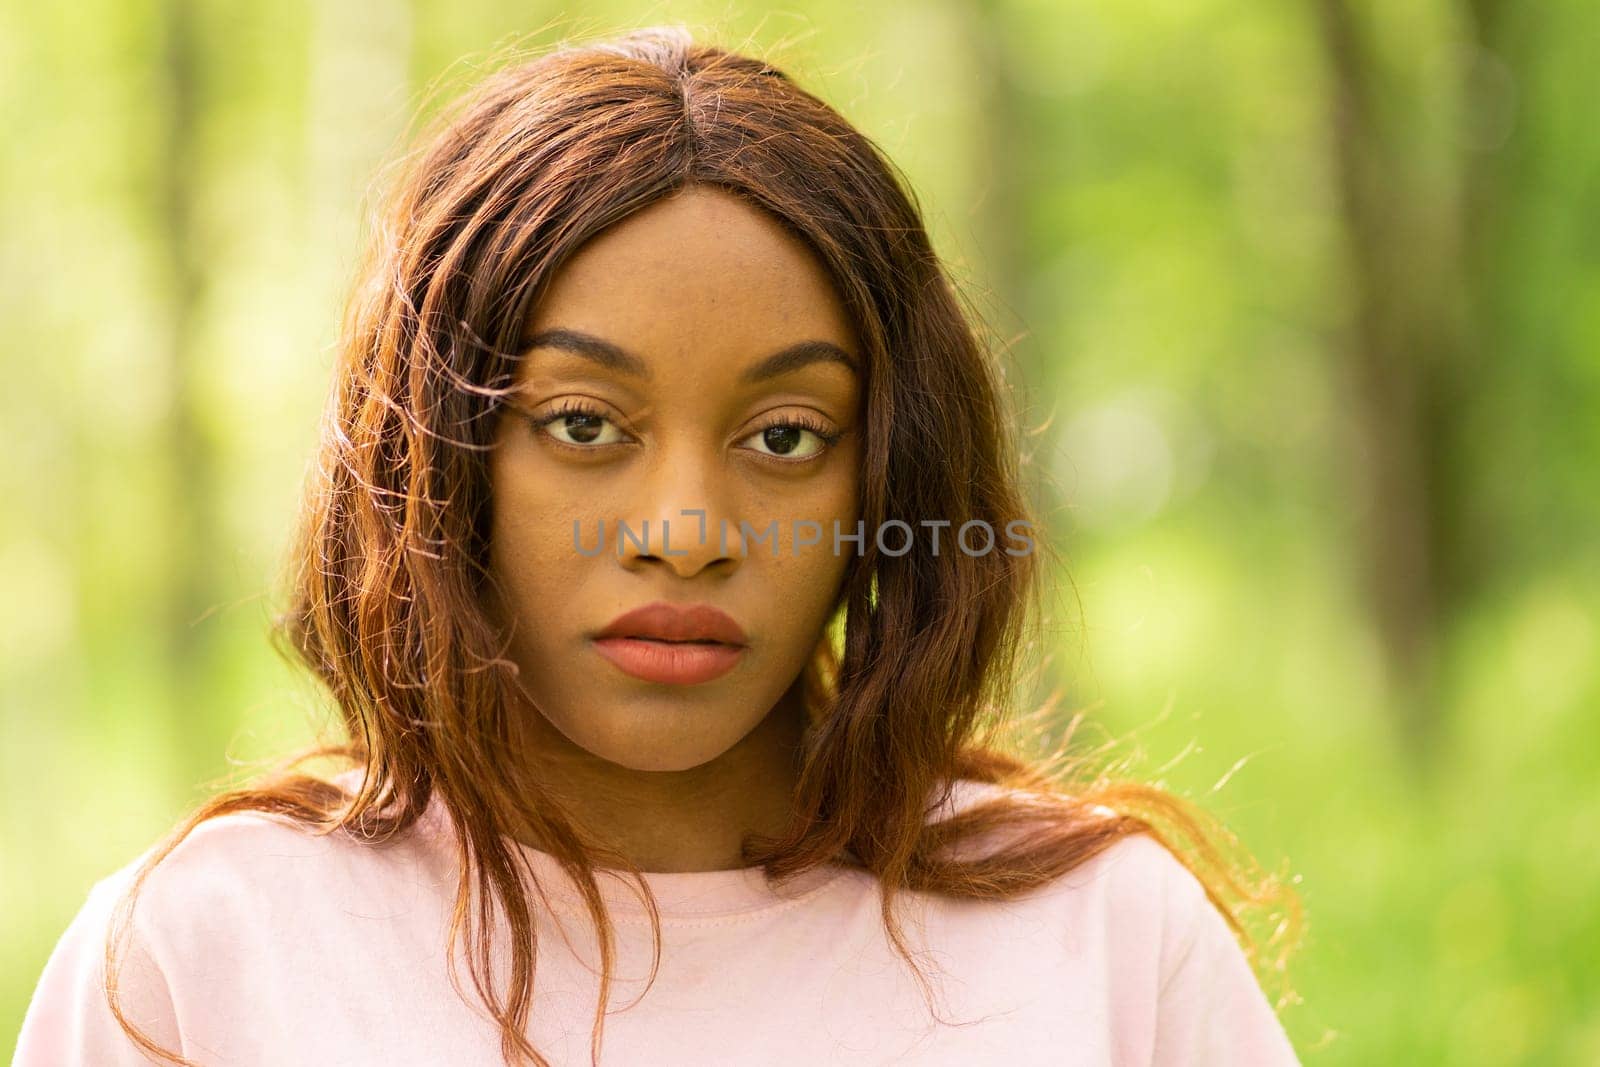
<point>670,662</point>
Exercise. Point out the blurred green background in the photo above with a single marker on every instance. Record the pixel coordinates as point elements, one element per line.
<point>1305,301</point>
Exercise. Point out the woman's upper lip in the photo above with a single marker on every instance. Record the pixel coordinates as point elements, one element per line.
<point>664,621</point>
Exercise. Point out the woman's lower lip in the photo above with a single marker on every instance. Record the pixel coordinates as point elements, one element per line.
<point>670,662</point>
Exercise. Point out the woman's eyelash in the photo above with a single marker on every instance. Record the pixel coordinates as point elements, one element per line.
<point>803,422</point>
<point>569,407</point>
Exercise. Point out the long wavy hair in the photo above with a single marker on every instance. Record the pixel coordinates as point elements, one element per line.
<point>911,682</point>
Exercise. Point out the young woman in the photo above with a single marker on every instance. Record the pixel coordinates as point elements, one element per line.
<point>668,561</point>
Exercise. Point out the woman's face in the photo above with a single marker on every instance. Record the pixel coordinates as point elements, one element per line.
<point>645,394</point>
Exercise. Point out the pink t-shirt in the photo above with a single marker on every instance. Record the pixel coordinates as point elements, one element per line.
<point>257,943</point>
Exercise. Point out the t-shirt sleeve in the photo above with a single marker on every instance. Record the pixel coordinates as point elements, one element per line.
<point>1211,1011</point>
<point>69,1021</point>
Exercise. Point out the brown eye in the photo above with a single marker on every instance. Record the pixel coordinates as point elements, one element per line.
<point>579,427</point>
<point>794,439</point>
<point>783,439</point>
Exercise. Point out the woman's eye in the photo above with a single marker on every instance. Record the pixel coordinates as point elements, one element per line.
<point>790,440</point>
<point>581,428</point>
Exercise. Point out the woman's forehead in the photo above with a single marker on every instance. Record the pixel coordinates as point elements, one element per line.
<point>705,263</point>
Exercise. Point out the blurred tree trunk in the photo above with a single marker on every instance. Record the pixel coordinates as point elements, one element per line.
<point>192,534</point>
<point>1413,353</point>
<point>1487,109</point>
<point>999,157</point>
<point>1398,333</point>
<point>996,154</point>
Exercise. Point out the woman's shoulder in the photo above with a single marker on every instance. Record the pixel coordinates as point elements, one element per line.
<point>1168,957</point>
<point>242,898</point>
<point>1135,888</point>
<point>258,868</point>
<point>1131,860</point>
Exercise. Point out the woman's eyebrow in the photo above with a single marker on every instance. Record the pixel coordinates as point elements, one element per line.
<point>795,356</point>
<point>613,357</point>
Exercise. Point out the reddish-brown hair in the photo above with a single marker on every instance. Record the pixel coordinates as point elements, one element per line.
<point>388,571</point>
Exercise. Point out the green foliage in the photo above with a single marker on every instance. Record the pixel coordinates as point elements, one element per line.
<point>1146,197</point>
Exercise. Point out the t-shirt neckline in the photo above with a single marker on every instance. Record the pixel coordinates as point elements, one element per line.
<point>679,895</point>
<point>682,896</point>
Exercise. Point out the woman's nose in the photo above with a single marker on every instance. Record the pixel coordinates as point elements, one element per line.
<point>686,520</point>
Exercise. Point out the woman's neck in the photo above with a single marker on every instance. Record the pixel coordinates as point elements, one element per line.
<point>688,820</point>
